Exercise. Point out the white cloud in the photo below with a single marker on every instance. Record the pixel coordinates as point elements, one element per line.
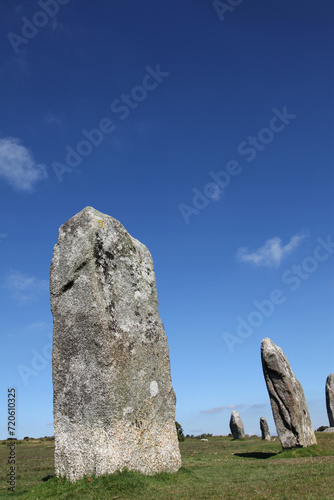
<point>218,409</point>
<point>3,236</point>
<point>143,128</point>
<point>17,165</point>
<point>258,406</point>
<point>57,26</point>
<point>39,325</point>
<point>52,119</point>
<point>196,431</point>
<point>20,6</point>
<point>24,287</point>
<point>38,328</point>
<point>9,68</point>
<point>272,252</point>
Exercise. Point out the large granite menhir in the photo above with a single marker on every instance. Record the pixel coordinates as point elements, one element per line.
<point>288,404</point>
<point>114,405</point>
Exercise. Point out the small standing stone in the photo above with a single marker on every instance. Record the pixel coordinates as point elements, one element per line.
<point>236,426</point>
<point>264,429</point>
<point>330,398</point>
<point>288,404</point>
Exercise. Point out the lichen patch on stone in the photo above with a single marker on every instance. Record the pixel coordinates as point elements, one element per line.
<point>154,388</point>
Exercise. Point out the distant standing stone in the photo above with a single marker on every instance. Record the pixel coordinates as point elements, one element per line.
<point>264,429</point>
<point>114,405</point>
<point>330,398</point>
<point>288,404</point>
<point>236,426</point>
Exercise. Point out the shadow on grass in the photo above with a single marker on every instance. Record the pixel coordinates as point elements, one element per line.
<point>46,478</point>
<point>255,454</point>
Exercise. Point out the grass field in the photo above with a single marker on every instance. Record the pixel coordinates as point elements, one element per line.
<point>219,468</point>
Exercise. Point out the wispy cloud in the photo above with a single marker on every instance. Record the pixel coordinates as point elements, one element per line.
<point>144,129</point>
<point>19,7</point>
<point>17,165</point>
<point>218,409</point>
<point>39,325</point>
<point>10,67</point>
<point>3,236</point>
<point>258,406</point>
<point>55,25</point>
<point>52,119</point>
<point>196,431</point>
<point>272,252</point>
<point>25,288</point>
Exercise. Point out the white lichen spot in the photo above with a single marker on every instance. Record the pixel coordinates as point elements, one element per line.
<point>154,389</point>
<point>137,294</point>
<point>127,410</point>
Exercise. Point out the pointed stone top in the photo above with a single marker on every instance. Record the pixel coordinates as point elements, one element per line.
<point>91,212</point>
<point>273,358</point>
<point>269,348</point>
<point>267,342</point>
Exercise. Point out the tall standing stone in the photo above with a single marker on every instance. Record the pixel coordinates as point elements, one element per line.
<point>330,398</point>
<point>264,429</point>
<point>288,404</point>
<point>114,405</point>
<point>236,426</point>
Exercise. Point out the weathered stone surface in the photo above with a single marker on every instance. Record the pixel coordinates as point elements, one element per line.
<point>329,429</point>
<point>114,405</point>
<point>236,425</point>
<point>330,398</point>
<point>288,404</point>
<point>264,429</point>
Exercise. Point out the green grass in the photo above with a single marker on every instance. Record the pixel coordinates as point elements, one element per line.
<point>219,468</point>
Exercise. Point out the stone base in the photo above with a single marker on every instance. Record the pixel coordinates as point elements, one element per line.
<point>95,451</point>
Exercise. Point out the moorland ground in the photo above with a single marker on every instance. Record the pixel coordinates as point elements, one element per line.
<point>218,468</point>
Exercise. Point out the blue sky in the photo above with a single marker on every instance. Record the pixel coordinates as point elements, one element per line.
<point>207,131</point>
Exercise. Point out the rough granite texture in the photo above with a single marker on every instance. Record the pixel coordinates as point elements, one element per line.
<point>288,404</point>
<point>114,405</point>
<point>330,398</point>
<point>264,429</point>
<point>236,425</point>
